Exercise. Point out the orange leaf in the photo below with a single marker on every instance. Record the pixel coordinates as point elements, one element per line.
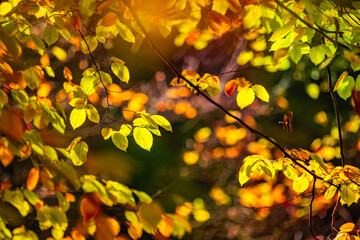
<point>44,89</point>
<point>67,74</point>
<point>12,125</point>
<point>75,22</point>
<point>70,197</point>
<point>76,235</point>
<point>89,207</point>
<point>6,156</point>
<point>165,226</point>
<point>113,225</point>
<point>230,87</point>
<point>347,227</point>
<point>135,230</point>
<point>109,19</point>
<point>5,185</point>
<point>33,178</point>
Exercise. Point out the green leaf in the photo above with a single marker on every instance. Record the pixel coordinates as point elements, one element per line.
<point>357,83</point>
<point>92,113</point>
<point>120,141</point>
<point>281,32</point>
<point>88,42</point>
<point>87,8</point>
<point>16,198</point>
<point>319,160</point>
<point>88,84</point>
<point>330,192</point>
<point>317,54</point>
<point>105,78</point>
<point>346,87</point>
<point>51,35</point>
<point>52,217</point>
<point>162,122</point>
<point>39,43</point>
<point>63,203</point>
<point>31,196</point>
<point>245,97</point>
<point>68,172</point>
<point>121,71</point>
<point>282,43</point>
<point>295,53</point>
<point>289,172</point>
<point>119,193</point>
<point>301,184</point>
<point>125,32</point>
<point>77,117</point>
<point>340,80</point>
<point>20,96</point>
<point>261,92</point>
<point>31,78</point>
<point>77,102</point>
<point>90,184</point>
<point>143,137</point>
<point>143,196</point>
<point>79,153</point>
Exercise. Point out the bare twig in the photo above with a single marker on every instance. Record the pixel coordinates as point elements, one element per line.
<point>106,91</point>
<point>336,108</point>
<point>333,214</point>
<point>310,209</point>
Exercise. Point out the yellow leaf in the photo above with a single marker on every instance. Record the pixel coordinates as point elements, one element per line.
<point>77,117</point>
<point>245,57</point>
<point>301,184</point>
<point>135,230</point>
<point>340,80</point>
<point>245,97</point>
<point>261,92</point>
<point>59,53</point>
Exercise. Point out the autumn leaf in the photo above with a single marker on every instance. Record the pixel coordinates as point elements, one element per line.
<point>33,178</point>
<point>75,22</point>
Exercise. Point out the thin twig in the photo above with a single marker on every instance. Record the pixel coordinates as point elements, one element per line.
<point>336,108</point>
<point>209,99</point>
<point>106,91</point>
<point>310,209</point>
<point>310,26</point>
<point>333,214</point>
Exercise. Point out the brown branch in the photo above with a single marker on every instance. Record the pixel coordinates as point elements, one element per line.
<point>333,214</point>
<point>310,209</point>
<point>336,108</point>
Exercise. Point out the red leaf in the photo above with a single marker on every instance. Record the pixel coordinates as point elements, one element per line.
<point>230,87</point>
<point>75,22</point>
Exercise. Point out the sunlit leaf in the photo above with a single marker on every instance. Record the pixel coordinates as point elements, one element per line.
<point>347,194</point>
<point>317,54</point>
<point>92,113</point>
<point>301,184</point>
<point>261,92</point>
<point>59,53</point>
<point>79,153</point>
<point>89,84</point>
<point>281,32</point>
<point>330,192</point>
<point>77,117</point>
<point>88,43</point>
<point>121,71</point>
<point>340,80</point>
<point>143,137</point>
<point>125,32</point>
<point>245,97</point>
<point>120,141</point>
<point>346,87</point>
<point>347,227</point>
<point>162,122</point>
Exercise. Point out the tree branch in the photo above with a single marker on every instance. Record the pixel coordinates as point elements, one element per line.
<point>310,209</point>
<point>336,108</point>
